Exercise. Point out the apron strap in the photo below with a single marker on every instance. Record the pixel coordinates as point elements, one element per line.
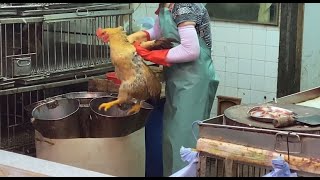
<point>170,8</point>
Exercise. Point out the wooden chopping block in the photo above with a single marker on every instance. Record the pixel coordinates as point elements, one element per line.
<point>255,156</point>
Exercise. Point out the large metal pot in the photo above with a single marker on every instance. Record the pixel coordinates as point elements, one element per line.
<point>29,108</point>
<point>57,119</point>
<point>115,122</point>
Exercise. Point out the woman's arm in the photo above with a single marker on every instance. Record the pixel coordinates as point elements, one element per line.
<point>155,31</point>
<point>185,17</point>
<point>189,49</point>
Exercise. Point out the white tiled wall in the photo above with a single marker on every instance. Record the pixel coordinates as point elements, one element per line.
<point>246,61</point>
<point>245,58</point>
<point>310,63</point>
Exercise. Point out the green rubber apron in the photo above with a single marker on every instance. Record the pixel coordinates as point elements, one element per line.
<point>190,91</point>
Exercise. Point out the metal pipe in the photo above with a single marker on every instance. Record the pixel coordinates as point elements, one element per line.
<point>42,49</point>
<point>94,41</point>
<point>8,121</point>
<point>80,61</point>
<point>28,35</point>
<point>75,65</point>
<point>1,56</point>
<point>48,49</point>
<point>68,43</point>
<point>55,46</point>
<point>5,49</point>
<point>22,106</point>
<point>87,38</point>
<point>36,49</point>
<point>61,47</point>
<point>13,40</point>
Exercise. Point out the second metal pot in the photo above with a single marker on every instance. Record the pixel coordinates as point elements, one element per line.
<point>115,122</point>
<point>58,119</point>
<point>84,97</point>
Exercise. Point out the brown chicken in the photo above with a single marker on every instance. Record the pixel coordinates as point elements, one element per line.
<point>138,81</point>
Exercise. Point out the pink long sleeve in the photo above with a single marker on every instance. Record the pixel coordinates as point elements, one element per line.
<point>188,50</point>
<point>155,32</point>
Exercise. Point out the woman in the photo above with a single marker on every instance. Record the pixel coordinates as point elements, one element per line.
<point>190,77</point>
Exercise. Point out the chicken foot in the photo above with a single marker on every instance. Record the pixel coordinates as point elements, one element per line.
<point>108,105</point>
<point>135,108</point>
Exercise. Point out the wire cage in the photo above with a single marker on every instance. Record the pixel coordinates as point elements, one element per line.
<point>215,128</point>
<point>40,42</point>
<point>212,166</point>
<point>37,45</point>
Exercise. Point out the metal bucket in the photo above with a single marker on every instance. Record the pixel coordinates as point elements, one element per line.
<point>57,119</point>
<point>115,122</point>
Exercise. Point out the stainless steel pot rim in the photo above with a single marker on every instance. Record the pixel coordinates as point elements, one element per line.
<point>100,94</point>
<point>75,111</point>
<point>104,114</point>
<point>148,106</point>
<point>43,101</point>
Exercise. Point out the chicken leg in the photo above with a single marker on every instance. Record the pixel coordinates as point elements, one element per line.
<point>108,105</point>
<point>135,108</point>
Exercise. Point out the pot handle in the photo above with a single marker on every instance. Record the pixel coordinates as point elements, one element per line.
<point>46,141</point>
<point>32,120</point>
<point>114,94</point>
<point>26,59</point>
<point>41,139</point>
<point>51,104</point>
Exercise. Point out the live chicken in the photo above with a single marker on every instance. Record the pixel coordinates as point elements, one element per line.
<point>138,81</point>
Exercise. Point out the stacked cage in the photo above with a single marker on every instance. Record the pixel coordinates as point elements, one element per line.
<point>46,50</point>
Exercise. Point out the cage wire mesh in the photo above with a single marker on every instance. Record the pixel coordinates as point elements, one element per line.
<point>35,46</point>
<point>212,166</point>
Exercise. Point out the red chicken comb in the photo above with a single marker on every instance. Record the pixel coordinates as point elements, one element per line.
<point>99,32</point>
<point>102,35</point>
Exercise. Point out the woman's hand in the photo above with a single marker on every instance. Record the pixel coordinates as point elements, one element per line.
<point>155,56</point>
<point>138,36</point>
<point>161,43</point>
